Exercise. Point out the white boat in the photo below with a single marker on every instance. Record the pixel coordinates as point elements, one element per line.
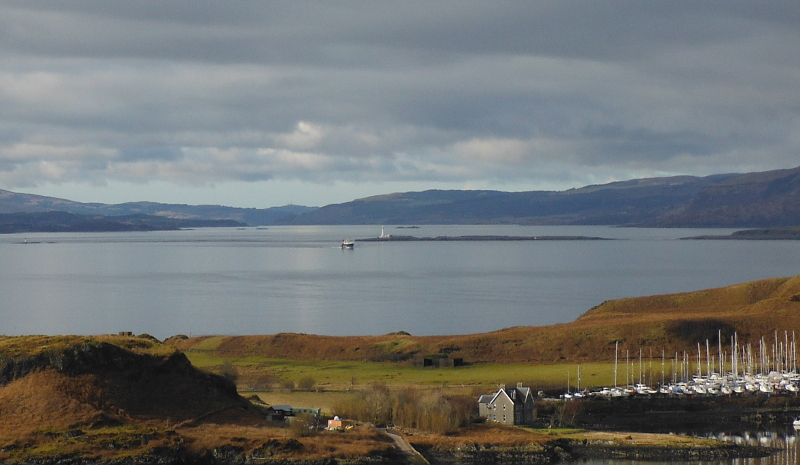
<point>348,244</point>
<point>796,423</point>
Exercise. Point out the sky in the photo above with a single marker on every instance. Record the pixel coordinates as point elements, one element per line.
<point>268,103</point>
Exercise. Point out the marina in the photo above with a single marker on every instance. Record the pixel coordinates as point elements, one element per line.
<point>768,369</point>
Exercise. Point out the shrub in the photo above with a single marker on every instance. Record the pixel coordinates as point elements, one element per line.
<point>262,383</point>
<point>306,383</point>
<point>229,371</point>
<point>303,425</point>
<point>426,410</point>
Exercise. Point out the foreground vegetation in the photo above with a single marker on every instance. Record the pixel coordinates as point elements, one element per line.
<point>116,398</point>
<point>135,399</point>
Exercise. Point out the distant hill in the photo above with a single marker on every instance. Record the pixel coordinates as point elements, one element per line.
<point>11,202</point>
<point>770,198</point>
<point>672,323</point>
<point>59,221</point>
<point>727,200</point>
<point>753,200</point>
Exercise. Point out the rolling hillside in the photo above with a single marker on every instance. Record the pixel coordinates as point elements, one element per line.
<point>767,199</point>
<point>670,322</point>
<point>631,202</point>
<point>12,202</point>
<point>132,400</point>
<point>770,198</point>
<point>56,221</point>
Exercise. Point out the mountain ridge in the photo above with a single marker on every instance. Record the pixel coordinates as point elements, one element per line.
<point>749,200</point>
<point>59,221</point>
<point>12,202</point>
<point>764,199</point>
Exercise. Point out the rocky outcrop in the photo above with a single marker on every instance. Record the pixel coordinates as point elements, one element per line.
<point>567,450</point>
<point>588,450</point>
<point>533,454</point>
<point>102,357</point>
<point>227,455</point>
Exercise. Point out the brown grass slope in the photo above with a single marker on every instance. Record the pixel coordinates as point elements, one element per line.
<point>70,399</point>
<point>670,323</point>
<point>64,381</point>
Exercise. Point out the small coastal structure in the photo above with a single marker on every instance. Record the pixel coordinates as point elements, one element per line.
<point>509,406</point>
<point>314,412</point>
<point>338,424</point>
<point>279,413</point>
<point>442,361</point>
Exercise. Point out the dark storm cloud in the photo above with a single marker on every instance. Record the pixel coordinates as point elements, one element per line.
<point>458,92</point>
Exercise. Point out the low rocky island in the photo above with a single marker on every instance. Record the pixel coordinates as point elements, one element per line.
<point>395,238</point>
<point>763,234</point>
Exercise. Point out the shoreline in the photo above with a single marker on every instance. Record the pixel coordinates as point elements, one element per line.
<point>570,447</point>
<point>587,445</point>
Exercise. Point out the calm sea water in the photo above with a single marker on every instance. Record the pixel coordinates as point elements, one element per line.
<point>297,279</point>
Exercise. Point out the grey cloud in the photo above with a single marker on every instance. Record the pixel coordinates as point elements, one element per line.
<point>203,91</point>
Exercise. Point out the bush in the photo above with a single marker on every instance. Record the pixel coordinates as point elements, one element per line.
<point>262,383</point>
<point>229,371</point>
<point>303,425</point>
<point>426,410</point>
<point>306,383</point>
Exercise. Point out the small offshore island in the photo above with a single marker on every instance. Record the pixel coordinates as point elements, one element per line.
<point>395,238</point>
<point>763,234</point>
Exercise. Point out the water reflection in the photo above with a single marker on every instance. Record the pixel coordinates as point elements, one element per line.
<point>785,440</point>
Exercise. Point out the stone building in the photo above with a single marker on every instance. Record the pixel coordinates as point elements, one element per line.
<point>510,406</point>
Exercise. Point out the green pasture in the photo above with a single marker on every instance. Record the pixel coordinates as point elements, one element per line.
<point>345,375</point>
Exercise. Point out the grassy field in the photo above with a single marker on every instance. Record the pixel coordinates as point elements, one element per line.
<point>342,376</point>
<point>544,358</point>
<point>346,376</point>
